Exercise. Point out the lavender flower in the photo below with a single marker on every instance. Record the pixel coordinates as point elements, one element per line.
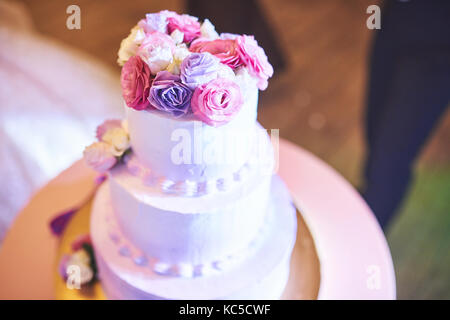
<point>168,94</point>
<point>199,68</point>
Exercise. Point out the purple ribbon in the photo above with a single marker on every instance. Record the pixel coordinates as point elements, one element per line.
<point>59,223</point>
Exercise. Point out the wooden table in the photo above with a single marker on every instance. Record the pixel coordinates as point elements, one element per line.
<point>341,252</point>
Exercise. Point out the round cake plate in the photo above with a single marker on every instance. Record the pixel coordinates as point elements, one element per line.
<point>336,227</point>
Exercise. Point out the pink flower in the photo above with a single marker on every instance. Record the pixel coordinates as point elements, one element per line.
<point>107,125</point>
<point>217,102</point>
<point>157,51</point>
<point>255,59</point>
<point>80,241</point>
<point>136,81</point>
<point>99,156</point>
<point>225,50</point>
<point>186,24</point>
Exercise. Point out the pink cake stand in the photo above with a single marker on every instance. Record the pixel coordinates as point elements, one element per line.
<point>354,259</point>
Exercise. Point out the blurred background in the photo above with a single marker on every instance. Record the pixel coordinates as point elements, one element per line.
<point>316,99</point>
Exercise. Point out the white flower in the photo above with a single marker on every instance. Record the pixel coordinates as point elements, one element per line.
<point>180,53</point>
<point>156,50</point>
<point>82,260</point>
<point>130,45</point>
<point>228,36</point>
<point>177,36</point>
<point>159,60</point>
<point>244,79</point>
<point>118,139</point>
<point>226,72</point>
<point>99,156</point>
<point>208,30</point>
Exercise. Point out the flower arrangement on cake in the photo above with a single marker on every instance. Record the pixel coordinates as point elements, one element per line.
<point>184,69</point>
<point>188,207</point>
<point>177,65</point>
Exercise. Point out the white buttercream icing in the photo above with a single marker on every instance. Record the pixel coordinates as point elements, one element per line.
<point>261,273</point>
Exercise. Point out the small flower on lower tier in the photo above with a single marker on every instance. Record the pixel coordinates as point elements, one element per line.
<point>99,156</point>
<point>107,125</point>
<point>80,262</point>
<point>113,144</point>
<point>80,241</point>
<point>169,94</point>
<point>217,102</point>
<point>118,139</point>
<point>255,59</point>
<point>136,81</point>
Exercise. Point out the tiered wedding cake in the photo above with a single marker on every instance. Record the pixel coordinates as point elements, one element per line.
<point>191,208</point>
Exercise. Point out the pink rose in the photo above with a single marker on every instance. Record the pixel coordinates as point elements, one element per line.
<point>135,80</point>
<point>99,157</point>
<point>80,241</point>
<point>225,50</point>
<point>254,57</point>
<point>186,24</point>
<point>107,125</point>
<point>217,102</point>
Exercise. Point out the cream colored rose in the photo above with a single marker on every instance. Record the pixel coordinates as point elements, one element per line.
<point>82,260</point>
<point>157,51</point>
<point>99,156</point>
<point>118,139</point>
<point>129,45</point>
<point>179,54</point>
<point>177,36</point>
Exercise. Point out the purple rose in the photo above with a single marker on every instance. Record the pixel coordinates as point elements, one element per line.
<point>198,68</point>
<point>168,94</point>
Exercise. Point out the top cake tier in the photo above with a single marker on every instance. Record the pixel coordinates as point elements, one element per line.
<point>186,149</point>
<point>191,97</point>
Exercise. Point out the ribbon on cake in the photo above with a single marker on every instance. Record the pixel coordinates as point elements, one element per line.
<point>59,223</point>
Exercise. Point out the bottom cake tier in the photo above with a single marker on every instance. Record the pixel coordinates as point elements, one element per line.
<point>260,272</point>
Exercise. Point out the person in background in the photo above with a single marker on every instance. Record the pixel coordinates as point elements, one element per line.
<point>408,92</point>
<point>241,17</point>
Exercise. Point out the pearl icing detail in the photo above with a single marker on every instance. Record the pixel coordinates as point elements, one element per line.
<point>186,187</point>
<point>181,269</point>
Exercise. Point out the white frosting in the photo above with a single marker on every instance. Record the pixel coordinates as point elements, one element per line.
<point>194,230</point>
<point>187,149</point>
<point>262,274</point>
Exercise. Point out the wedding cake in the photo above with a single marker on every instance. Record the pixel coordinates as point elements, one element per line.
<point>191,207</point>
